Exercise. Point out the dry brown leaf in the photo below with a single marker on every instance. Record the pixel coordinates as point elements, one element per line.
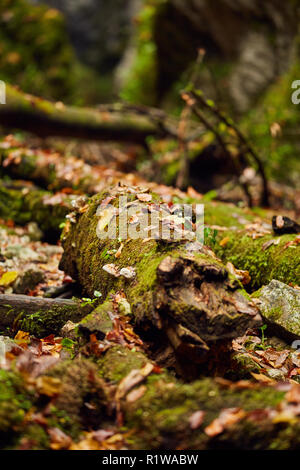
<point>227,418</point>
<point>262,378</point>
<point>59,440</point>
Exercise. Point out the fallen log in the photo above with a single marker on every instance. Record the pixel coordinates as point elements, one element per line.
<point>266,257</point>
<point>54,171</point>
<point>156,410</point>
<point>243,238</point>
<point>117,122</point>
<point>36,315</point>
<point>26,203</point>
<point>167,414</point>
<point>187,296</point>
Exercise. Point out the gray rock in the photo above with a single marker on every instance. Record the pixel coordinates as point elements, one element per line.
<point>279,305</point>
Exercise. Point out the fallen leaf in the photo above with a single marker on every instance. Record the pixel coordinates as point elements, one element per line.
<point>224,241</point>
<point>136,394</point>
<point>196,419</point>
<point>134,377</point>
<point>267,244</point>
<point>118,254</point>
<point>49,386</point>
<point>128,272</point>
<point>144,197</point>
<point>226,418</point>
<point>8,278</point>
<point>111,269</point>
<point>59,440</point>
<point>262,378</point>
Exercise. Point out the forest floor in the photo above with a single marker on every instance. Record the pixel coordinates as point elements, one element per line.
<point>148,344</point>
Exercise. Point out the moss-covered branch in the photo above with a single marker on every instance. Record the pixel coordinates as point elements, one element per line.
<point>115,122</point>
<point>37,315</point>
<point>26,204</point>
<point>265,258</point>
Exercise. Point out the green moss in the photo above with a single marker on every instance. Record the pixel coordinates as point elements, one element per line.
<point>275,262</point>
<point>118,362</point>
<point>81,390</point>
<point>275,313</point>
<point>226,215</point>
<point>45,322</point>
<point>140,84</point>
<point>36,437</point>
<point>24,207</point>
<point>15,402</point>
<point>35,50</point>
<point>243,365</point>
<point>280,154</point>
<point>98,321</point>
<point>161,415</point>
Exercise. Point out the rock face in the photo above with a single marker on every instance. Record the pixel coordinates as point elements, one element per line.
<point>280,307</point>
<point>99,29</point>
<point>248,45</point>
<point>257,37</point>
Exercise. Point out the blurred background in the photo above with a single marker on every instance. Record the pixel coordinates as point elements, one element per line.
<point>87,52</point>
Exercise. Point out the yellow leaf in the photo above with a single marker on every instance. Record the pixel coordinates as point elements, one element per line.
<point>22,336</point>
<point>13,58</point>
<point>224,241</point>
<point>8,278</point>
<point>49,386</point>
<point>262,378</point>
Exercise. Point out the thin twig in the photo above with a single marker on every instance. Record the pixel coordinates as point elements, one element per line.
<point>210,127</point>
<point>183,173</point>
<point>248,148</point>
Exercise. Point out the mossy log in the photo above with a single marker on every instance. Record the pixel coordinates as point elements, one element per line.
<point>24,204</point>
<point>156,410</point>
<point>107,123</point>
<point>162,415</point>
<point>36,315</point>
<point>245,238</point>
<point>55,172</point>
<point>188,296</point>
<point>265,258</point>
